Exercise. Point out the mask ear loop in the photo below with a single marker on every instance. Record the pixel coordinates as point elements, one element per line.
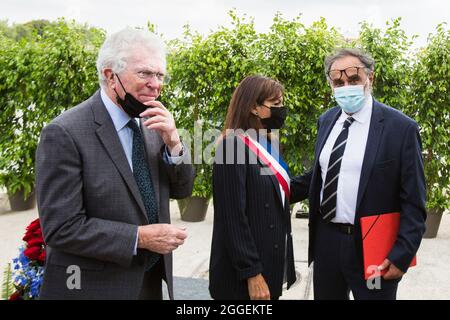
<point>367,90</point>
<point>120,84</point>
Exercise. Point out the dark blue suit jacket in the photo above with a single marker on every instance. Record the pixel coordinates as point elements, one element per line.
<point>392,179</point>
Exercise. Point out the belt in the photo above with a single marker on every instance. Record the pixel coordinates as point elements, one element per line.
<point>344,228</point>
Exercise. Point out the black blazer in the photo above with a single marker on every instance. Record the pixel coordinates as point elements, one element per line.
<point>392,179</point>
<point>252,229</point>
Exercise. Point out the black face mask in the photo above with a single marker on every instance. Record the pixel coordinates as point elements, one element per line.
<point>276,120</point>
<point>132,106</point>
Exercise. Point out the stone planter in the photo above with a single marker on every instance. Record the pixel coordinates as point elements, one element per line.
<point>193,209</point>
<point>433,221</point>
<point>18,202</point>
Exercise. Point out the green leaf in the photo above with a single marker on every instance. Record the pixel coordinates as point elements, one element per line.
<point>7,285</point>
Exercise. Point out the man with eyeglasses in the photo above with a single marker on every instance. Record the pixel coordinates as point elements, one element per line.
<point>368,162</point>
<point>105,171</point>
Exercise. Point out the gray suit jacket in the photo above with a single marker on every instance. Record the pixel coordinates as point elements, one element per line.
<point>90,205</point>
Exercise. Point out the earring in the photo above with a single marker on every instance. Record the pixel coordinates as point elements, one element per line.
<point>256,113</point>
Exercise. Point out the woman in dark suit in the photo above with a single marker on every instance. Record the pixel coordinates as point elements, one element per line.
<point>251,251</point>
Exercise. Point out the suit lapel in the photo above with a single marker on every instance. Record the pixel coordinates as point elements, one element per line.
<point>152,141</point>
<point>324,131</point>
<point>272,177</point>
<point>107,135</point>
<point>373,141</point>
<point>327,125</point>
<point>276,185</point>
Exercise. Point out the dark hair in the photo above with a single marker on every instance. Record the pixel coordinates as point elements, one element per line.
<point>365,58</point>
<point>251,92</point>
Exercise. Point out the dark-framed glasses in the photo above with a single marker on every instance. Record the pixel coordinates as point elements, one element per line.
<point>352,73</point>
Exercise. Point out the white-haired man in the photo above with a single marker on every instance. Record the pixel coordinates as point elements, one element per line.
<point>105,170</point>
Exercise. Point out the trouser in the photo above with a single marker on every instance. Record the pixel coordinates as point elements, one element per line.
<point>337,269</point>
<point>152,283</point>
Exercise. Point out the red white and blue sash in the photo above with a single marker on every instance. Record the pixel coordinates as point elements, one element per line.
<point>274,166</point>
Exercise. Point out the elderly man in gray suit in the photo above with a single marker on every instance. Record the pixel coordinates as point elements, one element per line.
<point>105,170</point>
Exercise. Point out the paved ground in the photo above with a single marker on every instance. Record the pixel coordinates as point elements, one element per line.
<point>429,280</point>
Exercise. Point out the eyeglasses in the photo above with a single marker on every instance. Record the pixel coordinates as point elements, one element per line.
<point>148,75</point>
<point>352,74</point>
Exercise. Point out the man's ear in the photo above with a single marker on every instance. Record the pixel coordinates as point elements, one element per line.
<point>371,78</point>
<point>110,79</point>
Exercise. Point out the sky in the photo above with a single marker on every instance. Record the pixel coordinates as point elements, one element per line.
<point>419,17</point>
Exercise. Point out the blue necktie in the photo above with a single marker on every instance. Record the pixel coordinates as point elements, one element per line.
<point>143,178</point>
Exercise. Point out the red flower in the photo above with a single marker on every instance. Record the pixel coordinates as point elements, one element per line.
<point>36,242</point>
<point>28,236</point>
<point>33,231</point>
<point>34,225</point>
<point>16,296</point>
<point>32,253</point>
<point>41,257</point>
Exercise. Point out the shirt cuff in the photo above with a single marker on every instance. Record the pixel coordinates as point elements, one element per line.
<point>174,160</point>
<point>136,244</point>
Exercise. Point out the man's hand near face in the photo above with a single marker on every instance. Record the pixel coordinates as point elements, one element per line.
<point>161,120</point>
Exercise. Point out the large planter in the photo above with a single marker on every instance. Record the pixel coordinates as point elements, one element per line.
<point>193,209</point>
<point>433,221</point>
<point>18,202</point>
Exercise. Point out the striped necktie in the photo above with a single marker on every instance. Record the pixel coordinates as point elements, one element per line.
<point>328,205</point>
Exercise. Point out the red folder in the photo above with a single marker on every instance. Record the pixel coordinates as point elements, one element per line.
<point>379,234</point>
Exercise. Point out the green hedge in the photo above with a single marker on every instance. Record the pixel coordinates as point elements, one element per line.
<point>53,68</point>
<point>41,75</point>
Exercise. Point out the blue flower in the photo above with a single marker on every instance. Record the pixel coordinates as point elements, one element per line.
<point>27,275</point>
<point>35,287</point>
<point>22,258</point>
<point>20,280</point>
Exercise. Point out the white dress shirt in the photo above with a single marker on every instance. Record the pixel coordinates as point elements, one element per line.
<point>350,172</point>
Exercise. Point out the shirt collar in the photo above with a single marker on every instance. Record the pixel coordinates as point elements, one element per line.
<point>118,116</point>
<point>362,115</point>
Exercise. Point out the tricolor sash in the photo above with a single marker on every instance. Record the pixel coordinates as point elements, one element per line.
<point>268,160</point>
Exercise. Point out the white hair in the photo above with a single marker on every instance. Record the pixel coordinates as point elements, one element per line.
<point>118,46</point>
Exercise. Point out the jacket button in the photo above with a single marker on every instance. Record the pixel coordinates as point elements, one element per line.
<point>266,205</point>
<point>271,226</point>
<point>275,246</point>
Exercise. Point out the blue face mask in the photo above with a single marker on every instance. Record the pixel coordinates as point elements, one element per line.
<point>350,98</point>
